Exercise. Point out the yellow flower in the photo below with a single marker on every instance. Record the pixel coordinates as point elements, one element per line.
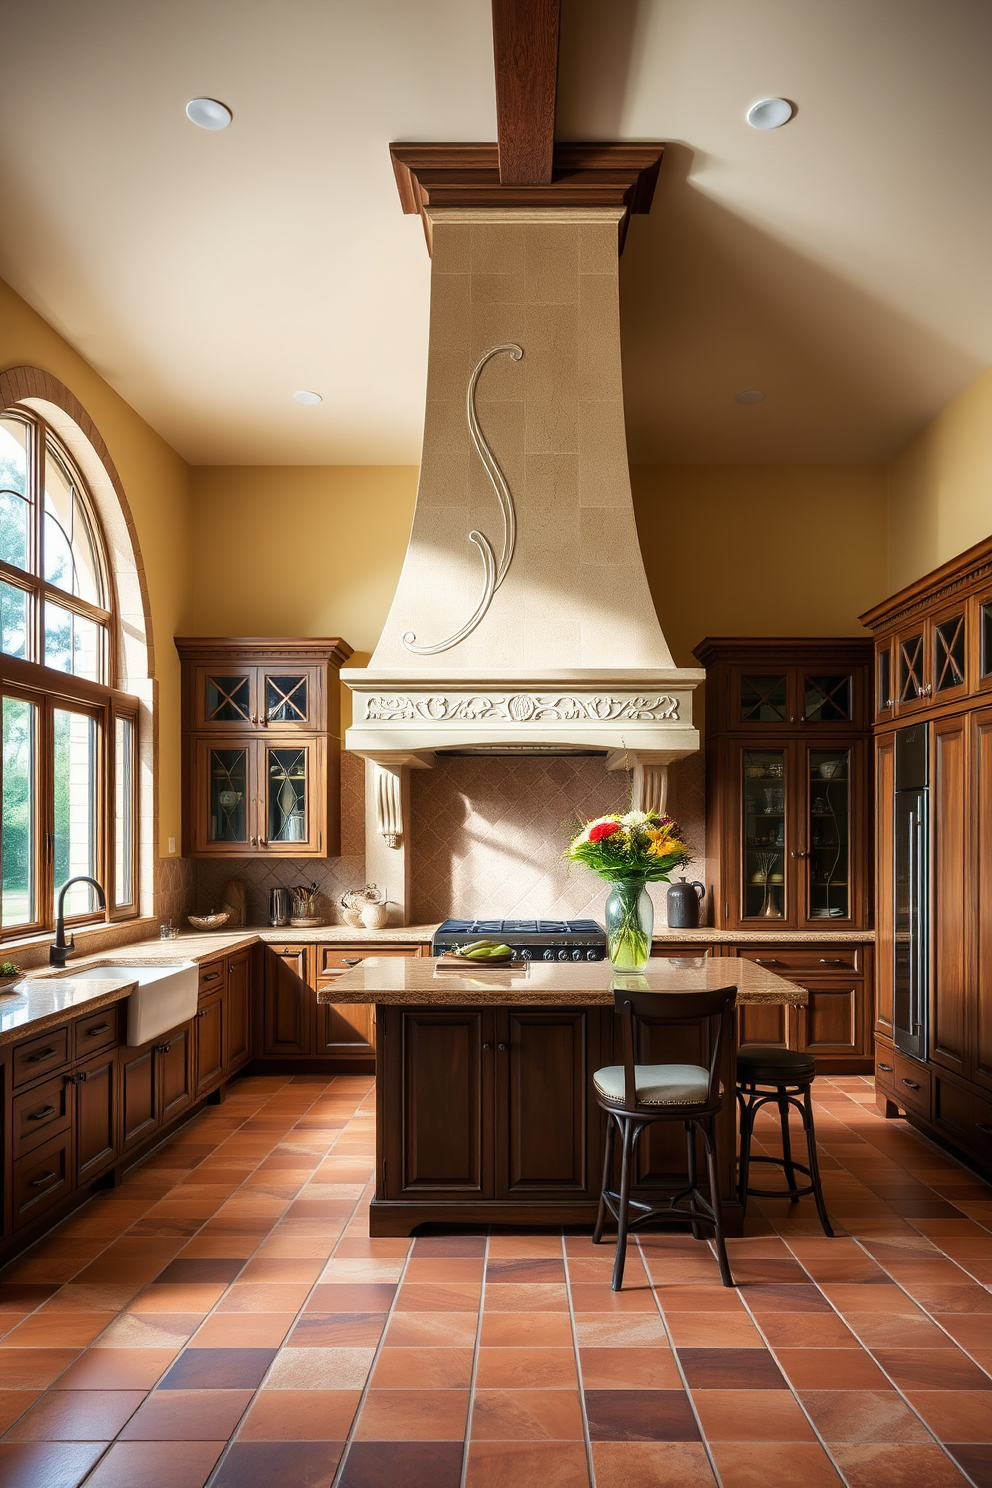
<point>663,842</point>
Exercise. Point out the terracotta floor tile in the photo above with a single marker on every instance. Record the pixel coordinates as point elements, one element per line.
<point>443,1270</point>
<point>13,1404</point>
<point>955,1415</point>
<point>640,1415</point>
<point>187,1415</point>
<point>243,1330</point>
<point>58,1330</point>
<point>525,1269</point>
<point>863,1416</point>
<point>831,1369</point>
<point>413,1415</point>
<point>730,1369</point>
<point>77,1415</point>
<point>714,1330</point>
<point>501,1464</point>
<point>764,1298</point>
<point>33,1368</point>
<point>351,1298</point>
<point>372,1247</point>
<point>265,1268</point>
<point>414,1464</point>
<point>934,1369</point>
<point>186,1297</point>
<point>638,1464</point>
<point>751,1415</point>
<point>899,1331</point>
<point>699,1299</point>
<point>618,1330</point>
<point>173,1464</point>
<point>774,1465</point>
<point>449,1245</point>
<point>890,1300</point>
<point>275,1297</point>
<point>629,1368</point>
<point>542,1245</point>
<point>976,1459</point>
<point>218,1369</point>
<point>431,1368</point>
<point>225,1245</point>
<point>300,1415</point>
<point>144,1330</point>
<point>526,1415</point>
<point>969,1298</point>
<point>897,1467</point>
<point>320,1369</point>
<point>601,1298</point>
<point>436,1297</point>
<point>518,1329</point>
<point>598,1269</point>
<point>47,1464</point>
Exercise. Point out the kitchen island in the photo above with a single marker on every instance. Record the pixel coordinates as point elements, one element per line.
<point>484,1107</point>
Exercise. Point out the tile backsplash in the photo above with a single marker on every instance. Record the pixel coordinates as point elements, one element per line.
<point>487,836</point>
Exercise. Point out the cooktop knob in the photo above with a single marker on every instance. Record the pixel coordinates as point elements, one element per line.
<point>549,955</point>
<point>562,955</point>
<point>576,955</point>
<point>526,954</point>
<point>592,955</point>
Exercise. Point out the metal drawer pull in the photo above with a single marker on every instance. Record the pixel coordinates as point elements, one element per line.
<point>357,961</point>
<point>40,1115</point>
<point>766,960</point>
<point>45,1178</point>
<point>886,1067</point>
<point>984,1126</point>
<point>41,1054</point>
<point>832,961</point>
<point>911,1083</point>
<point>97,1028</point>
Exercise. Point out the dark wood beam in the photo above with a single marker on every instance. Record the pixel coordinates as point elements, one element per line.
<point>525,46</point>
<point>613,174</point>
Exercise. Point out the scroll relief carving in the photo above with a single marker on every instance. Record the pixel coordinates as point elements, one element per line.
<point>521,707</point>
<point>493,573</point>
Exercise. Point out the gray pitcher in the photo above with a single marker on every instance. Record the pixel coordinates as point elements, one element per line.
<point>684,900</point>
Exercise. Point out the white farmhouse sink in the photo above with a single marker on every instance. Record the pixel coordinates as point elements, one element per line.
<point>164,997</point>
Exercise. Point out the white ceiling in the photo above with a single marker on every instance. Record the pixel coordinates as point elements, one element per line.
<point>841,264</point>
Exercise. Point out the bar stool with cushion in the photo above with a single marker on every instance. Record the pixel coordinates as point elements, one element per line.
<point>637,1096</point>
<point>790,1075</point>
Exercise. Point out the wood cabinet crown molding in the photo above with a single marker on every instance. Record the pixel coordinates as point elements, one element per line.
<point>588,174</point>
<point>972,567</point>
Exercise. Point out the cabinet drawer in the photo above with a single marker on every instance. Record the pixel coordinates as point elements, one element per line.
<point>38,1114</point>
<point>39,1056</point>
<point>212,977</point>
<point>885,1069</point>
<point>41,1179</point>
<point>911,1083</point>
<point>334,959</point>
<point>96,1031</point>
<point>808,960</point>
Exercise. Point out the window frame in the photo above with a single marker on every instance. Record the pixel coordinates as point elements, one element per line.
<point>49,689</point>
<point>41,442</point>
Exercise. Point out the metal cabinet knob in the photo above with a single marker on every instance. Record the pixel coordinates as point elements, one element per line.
<point>486,1048</point>
<point>501,1048</point>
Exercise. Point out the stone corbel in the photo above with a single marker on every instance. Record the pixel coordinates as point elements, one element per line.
<point>649,776</point>
<point>387,825</point>
<point>388,806</point>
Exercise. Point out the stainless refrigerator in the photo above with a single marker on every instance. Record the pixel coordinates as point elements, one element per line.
<point>912,823</point>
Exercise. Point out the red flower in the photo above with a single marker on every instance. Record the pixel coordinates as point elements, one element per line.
<point>603,829</point>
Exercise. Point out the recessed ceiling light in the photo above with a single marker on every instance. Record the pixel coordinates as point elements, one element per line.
<point>310,399</point>
<point>770,113</point>
<point>207,113</point>
<point>752,395</point>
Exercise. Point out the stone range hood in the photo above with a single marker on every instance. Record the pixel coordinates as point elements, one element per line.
<point>522,621</point>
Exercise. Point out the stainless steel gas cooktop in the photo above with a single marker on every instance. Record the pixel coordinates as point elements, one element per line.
<point>532,940</point>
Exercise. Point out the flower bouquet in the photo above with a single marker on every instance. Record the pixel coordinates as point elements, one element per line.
<point>630,851</point>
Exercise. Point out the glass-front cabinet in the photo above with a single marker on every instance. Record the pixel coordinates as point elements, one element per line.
<point>261,727</point>
<point>788,830</point>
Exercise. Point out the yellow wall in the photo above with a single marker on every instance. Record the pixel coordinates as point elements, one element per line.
<point>157,484</point>
<point>764,550</point>
<point>300,550</point>
<point>940,487</point>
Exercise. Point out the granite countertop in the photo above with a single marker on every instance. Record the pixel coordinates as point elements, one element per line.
<point>413,982</point>
<point>708,935</point>
<point>37,1003</point>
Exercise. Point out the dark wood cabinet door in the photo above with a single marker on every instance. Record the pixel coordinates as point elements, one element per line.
<point>763,1025</point>
<point>288,1002</point>
<point>346,1030</point>
<point>41,1178</point>
<point>96,1115</point>
<point>139,1116</point>
<point>175,1074</point>
<point>209,1032</point>
<point>981,1054</point>
<point>436,1092</point>
<point>884,882</point>
<point>952,889</point>
<point>238,1022</point>
<point>833,1020</point>
<point>545,1058</point>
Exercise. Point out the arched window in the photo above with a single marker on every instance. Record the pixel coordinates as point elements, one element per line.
<point>69,739</point>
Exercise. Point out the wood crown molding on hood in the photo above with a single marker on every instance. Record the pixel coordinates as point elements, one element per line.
<point>587,174</point>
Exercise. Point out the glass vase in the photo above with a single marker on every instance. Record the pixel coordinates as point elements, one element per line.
<point>629,924</point>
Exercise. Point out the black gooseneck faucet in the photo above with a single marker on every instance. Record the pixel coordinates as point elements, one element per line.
<point>61,947</point>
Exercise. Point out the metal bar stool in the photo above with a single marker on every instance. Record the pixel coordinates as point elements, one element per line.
<point>791,1075</point>
<point>635,1096</point>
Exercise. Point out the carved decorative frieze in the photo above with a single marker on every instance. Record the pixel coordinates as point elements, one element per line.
<point>521,707</point>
